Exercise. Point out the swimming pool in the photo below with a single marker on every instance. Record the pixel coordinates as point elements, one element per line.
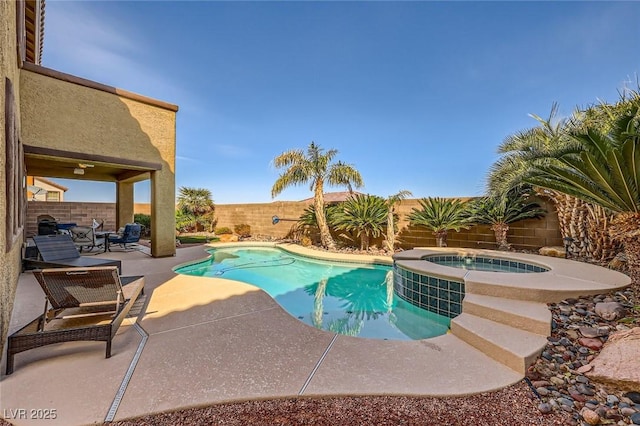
<point>354,299</point>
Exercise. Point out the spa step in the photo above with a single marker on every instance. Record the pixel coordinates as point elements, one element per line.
<point>534,317</point>
<point>513,347</point>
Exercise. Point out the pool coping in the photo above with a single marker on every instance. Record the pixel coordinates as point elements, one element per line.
<point>210,344</point>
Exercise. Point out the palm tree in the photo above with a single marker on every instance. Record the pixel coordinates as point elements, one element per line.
<point>501,210</point>
<point>196,203</point>
<point>606,173</point>
<point>392,201</point>
<point>364,214</point>
<point>315,167</point>
<point>541,145</point>
<point>441,215</point>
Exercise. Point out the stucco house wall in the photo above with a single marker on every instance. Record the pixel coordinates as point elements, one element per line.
<point>58,114</point>
<point>9,260</point>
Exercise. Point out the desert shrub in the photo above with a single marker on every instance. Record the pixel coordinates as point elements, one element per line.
<point>223,230</point>
<point>145,221</point>
<point>243,230</point>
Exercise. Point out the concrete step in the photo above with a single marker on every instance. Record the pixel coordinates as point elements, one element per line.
<point>534,317</point>
<point>513,347</point>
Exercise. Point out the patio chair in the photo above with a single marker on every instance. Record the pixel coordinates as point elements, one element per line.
<point>130,234</point>
<point>58,251</point>
<point>80,304</point>
<point>85,237</point>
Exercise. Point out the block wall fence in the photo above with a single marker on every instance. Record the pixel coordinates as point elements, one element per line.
<point>529,234</point>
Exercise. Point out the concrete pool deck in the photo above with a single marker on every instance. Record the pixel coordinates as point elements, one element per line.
<point>212,340</point>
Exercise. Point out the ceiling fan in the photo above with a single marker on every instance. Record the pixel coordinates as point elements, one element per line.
<point>80,169</point>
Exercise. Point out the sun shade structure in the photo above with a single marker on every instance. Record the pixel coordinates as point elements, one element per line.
<point>81,304</point>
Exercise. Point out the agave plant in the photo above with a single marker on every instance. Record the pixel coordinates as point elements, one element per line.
<point>606,173</point>
<point>363,214</point>
<point>501,210</point>
<point>441,215</point>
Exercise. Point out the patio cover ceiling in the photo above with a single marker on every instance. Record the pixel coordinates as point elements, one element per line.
<point>63,164</point>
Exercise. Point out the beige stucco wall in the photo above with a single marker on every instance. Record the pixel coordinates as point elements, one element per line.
<point>9,262</point>
<point>63,115</point>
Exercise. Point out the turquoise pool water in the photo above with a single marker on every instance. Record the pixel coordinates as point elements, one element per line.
<point>490,264</point>
<point>346,298</point>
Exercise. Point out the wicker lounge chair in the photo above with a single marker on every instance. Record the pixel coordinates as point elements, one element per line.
<point>58,251</point>
<point>81,304</point>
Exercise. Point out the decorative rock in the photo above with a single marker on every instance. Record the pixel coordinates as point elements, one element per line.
<point>618,363</point>
<point>593,332</point>
<point>635,418</point>
<point>612,399</point>
<point>633,396</point>
<point>610,311</point>
<point>593,344</point>
<point>590,416</point>
<point>585,368</point>
<point>627,411</point>
<point>582,379</point>
<point>543,391</point>
<point>577,396</point>
<point>545,408</point>
<point>584,389</point>
<point>553,251</point>
<point>565,402</point>
<point>556,381</point>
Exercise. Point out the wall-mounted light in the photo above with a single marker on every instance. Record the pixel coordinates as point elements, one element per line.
<point>78,171</point>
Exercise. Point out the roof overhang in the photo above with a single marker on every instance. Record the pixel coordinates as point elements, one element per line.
<point>76,165</point>
<point>33,36</point>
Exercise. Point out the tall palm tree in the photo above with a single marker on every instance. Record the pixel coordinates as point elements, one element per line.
<point>196,203</point>
<point>315,167</point>
<point>363,214</point>
<point>501,210</point>
<point>392,201</point>
<point>605,172</point>
<point>441,215</point>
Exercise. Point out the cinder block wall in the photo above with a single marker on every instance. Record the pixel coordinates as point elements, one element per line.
<point>81,213</point>
<point>528,234</point>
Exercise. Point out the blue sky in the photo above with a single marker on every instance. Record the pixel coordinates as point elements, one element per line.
<point>415,95</point>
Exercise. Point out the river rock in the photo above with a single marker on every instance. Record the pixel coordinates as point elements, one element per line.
<point>593,344</point>
<point>618,363</point>
<point>610,311</point>
<point>635,418</point>
<point>545,408</point>
<point>590,416</point>
<point>633,396</point>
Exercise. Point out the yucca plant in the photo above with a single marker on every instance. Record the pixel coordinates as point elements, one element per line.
<point>605,172</point>
<point>315,167</point>
<point>501,210</point>
<point>441,215</point>
<point>363,214</point>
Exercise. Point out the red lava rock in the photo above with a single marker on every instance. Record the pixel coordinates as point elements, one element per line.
<point>593,344</point>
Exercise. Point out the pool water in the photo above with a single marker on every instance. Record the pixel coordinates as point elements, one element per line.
<point>346,298</point>
<point>485,264</point>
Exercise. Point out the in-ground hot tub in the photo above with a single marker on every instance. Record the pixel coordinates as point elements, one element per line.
<point>485,263</point>
<point>437,279</point>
